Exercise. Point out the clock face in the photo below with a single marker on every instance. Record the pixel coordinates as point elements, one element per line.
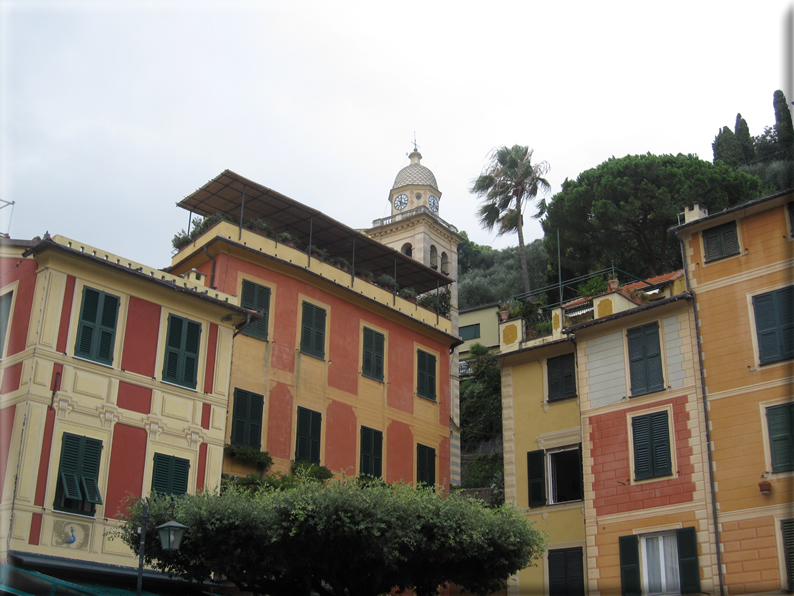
<point>433,203</point>
<point>400,202</point>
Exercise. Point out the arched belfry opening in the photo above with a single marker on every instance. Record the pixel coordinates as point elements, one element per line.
<point>407,249</point>
<point>433,256</point>
<point>444,263</point>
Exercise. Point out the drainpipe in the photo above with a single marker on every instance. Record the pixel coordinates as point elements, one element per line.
<point>706,417</point>
<point>212,270</point>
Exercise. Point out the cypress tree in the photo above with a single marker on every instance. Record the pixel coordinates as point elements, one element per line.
<point>742,134</point>
<point>726,148</point>
<point>783,126</point>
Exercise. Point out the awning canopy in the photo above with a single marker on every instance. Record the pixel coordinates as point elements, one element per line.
<point>235,196</point>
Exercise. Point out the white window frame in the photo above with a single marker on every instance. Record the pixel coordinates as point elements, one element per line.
<point>550,475</point>
<point>662,563</point>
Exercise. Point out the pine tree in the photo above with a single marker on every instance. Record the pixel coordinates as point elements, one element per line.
<point>726,148</point>
<point>742,133</point>
<point>783,126</point>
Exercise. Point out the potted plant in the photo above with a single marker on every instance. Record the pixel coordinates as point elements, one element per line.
<point>288,239</point>
<point>409,294</point>
<point>386,282</point>
<point>319,253</point>
<point>341,263</point>
<point>428,301</point>
<point>365,274</point>
<point>180,240</point>
<point>259,225</point>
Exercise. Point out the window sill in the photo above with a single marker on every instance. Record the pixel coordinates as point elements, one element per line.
<point>84,359</point>
<point>75,514</point>
<point>193,389</point>
<point>559,399</point>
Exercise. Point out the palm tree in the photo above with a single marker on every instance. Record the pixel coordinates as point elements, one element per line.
<point>508,181</point>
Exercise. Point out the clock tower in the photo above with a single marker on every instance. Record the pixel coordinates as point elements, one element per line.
<point>415,228</point>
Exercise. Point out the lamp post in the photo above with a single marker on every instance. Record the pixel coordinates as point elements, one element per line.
<point>171,534</point>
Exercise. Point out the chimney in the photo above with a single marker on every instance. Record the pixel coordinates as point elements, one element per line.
<point>612,285</point>
<point>695,212</point>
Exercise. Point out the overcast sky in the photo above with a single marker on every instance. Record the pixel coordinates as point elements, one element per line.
<point>113,111</point>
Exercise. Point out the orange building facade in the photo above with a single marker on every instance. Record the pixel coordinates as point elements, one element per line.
<point>340,372</point>
<point>740,269</point>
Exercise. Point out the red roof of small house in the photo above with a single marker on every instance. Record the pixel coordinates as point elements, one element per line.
<point>637,285</point>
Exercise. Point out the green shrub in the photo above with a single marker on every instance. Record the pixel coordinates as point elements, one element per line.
<point>248,455</point>
<point>305,469</point>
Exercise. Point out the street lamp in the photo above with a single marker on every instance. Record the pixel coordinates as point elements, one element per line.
<point>171,534</point>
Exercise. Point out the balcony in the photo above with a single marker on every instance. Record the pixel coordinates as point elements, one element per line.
<point>401,216</point>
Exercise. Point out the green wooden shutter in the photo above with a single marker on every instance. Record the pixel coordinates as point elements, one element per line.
<point>5,314</point>
<point>318,340</point>
<point>639,378</point>
<point>431,376</point>
<point>721,241</point>
<point>688,568</point>
<point>774,324</point>
<point>558,582</point>
<point>371,452</point>
<point>555,381</point>
<point>173,349</point>
<point>315,437</point>
<point>92,453</point>
<point>425,465</point>
<point>787,529</point>
<point>641,431</point>
<point>653,356</point>
<point>106,331</point>
<point>191,353</point>
<point>368,357</point>
<point>630,583</point>
<point>88,322</point>
<point>256,406</point>
<point>256,297</point>
<point>536,478</point>
<point>568,374</point>
<point>240,415</point>
<point>71,464</point>
<point>780,423</point>
<point>660,444</point>
<point>378,351</point>
<point>313,330</point>
<point>421,373</point>
<point>179,478</point>
<point>307,320</point>
<point>377,454</point>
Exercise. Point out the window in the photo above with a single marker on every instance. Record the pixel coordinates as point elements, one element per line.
<point>425,465</point>
<point>651,437</point>
<point>787,528</point>
<point>372,362</point>
<point>371,452</point>
<point>96,332</point>
<point>313,330</point>
<point>669,563</point>
<point>170,473</point>
<point>562,376</point>
<point>470,332</point>
<point>78,473</point>
<point>721,241</point>
<point>5,314</point>
<point>182,351</point>
<point>308,433</point>
<point>645,359</point>
<point>566,572</point>
<point>257,298</point>
<point>247,418</point>
<point>774,324</point>
<point>563,467</point>
<point>780,423</point>
<point>426,375</point>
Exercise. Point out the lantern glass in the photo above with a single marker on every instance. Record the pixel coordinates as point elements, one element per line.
<point>171,534</point>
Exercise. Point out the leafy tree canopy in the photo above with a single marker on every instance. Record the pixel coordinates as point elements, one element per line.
<point>620,211</point>
<point>481,401</point>
<point>494,275</point>
<point>345,537</point>
<point>726,148</point>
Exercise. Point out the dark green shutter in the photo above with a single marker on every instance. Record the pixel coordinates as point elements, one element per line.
<point>378,352</point>
<point>256,406</point>
<point>660,436</point>
<point>558,583</point>
<point>641,429</point>
<point>426,375</point>
<point>554,374</point>
<point>71,464</point>
<point>96,332</point>
<point>630,583</point>
<point>787,528</point>
<point>183,342</point>
<point>645,359</point>
<point>372,360</point>
<point>721,241</point>
<point>536,478</point>
<point>566,572</point>
<point>257,298</point>
<point>371,452</point>
<point>247,418</point>
<point>688,568</point>
<point>313,330</point>
<point>425,465</point>
<point>774,324</point>
<point>308,435</point>
<point>5,314</point>
<point>170,474</point>
<point>92,453</point>
<point>780,422</point>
